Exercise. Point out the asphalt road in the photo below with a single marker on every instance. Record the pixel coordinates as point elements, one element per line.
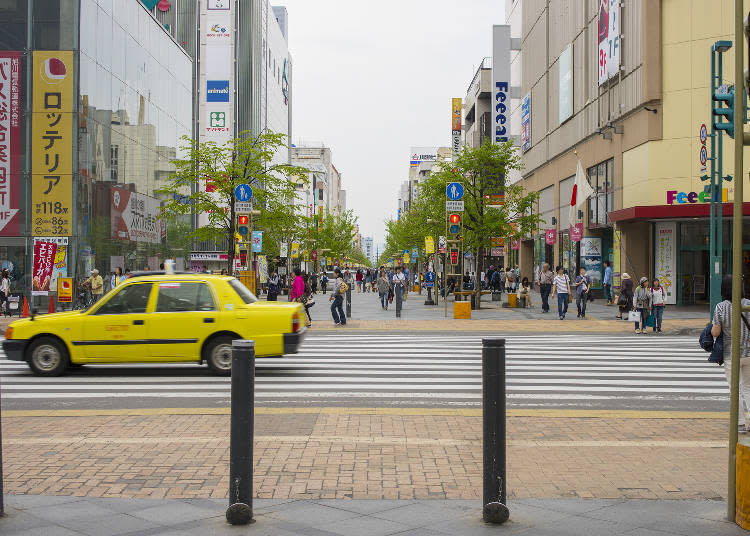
<point>578,371</point>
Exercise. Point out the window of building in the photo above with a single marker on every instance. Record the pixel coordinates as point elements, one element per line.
<point>601,202</point>
<point>114,151</point>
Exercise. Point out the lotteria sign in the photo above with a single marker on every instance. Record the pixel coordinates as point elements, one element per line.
<point>680,198</point>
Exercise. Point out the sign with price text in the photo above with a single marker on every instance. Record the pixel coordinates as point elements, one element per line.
<point>52,143</point>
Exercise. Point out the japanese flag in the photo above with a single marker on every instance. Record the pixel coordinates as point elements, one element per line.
<point>582,190</point>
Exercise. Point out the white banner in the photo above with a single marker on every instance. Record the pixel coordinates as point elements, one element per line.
<point>665,258</point>
<point>501,82</point>
<point>609,39</point>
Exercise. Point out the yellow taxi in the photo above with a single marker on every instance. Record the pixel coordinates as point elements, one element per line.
<point>155,317</point>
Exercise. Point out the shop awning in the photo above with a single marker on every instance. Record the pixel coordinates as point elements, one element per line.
<point>671,212</point>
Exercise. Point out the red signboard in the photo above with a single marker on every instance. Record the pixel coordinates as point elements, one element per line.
<point>576,232</point>
<point>44,261</point>
<point>10,140</point>
<point>514,243</point>
<point>551,237</point>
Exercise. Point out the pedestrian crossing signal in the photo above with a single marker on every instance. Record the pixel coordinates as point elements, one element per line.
<point>454,257</point>
<point>455,218</point>
<point>242,220</point>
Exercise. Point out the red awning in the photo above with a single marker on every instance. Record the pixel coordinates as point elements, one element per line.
<point>678,210</point>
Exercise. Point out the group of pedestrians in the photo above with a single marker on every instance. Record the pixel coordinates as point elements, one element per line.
<point>645,300</point>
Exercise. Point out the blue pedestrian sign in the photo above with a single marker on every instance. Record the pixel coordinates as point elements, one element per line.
<point>243,193</point>
<point>455,191</point>
<point>429,279</point>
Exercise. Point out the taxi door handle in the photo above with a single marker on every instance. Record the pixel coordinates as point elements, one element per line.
<point>208,320</point>
<point>137,322</point>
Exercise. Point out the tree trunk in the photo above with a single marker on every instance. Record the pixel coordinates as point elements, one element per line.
<point>480,269</point>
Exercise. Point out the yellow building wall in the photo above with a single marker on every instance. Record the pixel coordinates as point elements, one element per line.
<point>689,28</point>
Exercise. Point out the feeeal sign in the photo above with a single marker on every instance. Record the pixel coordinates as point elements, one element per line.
<point>501,80</point>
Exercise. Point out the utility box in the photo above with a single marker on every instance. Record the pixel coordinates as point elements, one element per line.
<point>742,486</point>
<point>462,310</point>
<point>512,299</point>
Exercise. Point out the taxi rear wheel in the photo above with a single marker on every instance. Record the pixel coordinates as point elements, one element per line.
<point>219,355</point>
<point>48,357</point>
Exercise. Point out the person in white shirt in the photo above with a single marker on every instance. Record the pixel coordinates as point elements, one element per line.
<point>658,300</point>
<point>399,284</point>
<point>561,287</point>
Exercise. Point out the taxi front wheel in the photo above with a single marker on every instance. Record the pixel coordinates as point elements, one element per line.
<point>219,355</point>
<point>47,356</point>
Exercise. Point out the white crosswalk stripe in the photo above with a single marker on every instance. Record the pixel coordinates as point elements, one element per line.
<point>542,371</point>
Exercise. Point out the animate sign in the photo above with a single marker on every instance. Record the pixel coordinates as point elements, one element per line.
<point>675,197</point>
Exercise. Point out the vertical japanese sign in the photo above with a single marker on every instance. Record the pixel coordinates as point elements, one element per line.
<point>501,81</point>
<point>526,122</point>
<point>10,134</point>
<point>456,126</point>
<point>609,39</point>
<point>616,274</point>
<point>257,239</point>
<point>591,259</point>
<point>665,258</point>
<point>44,262</point>
<point>52,143</point>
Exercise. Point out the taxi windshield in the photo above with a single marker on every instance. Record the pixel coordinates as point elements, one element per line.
<point>242,291</point>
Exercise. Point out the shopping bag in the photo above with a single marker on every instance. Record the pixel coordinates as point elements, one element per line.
<point>634,316</point>
<point>651,321</point>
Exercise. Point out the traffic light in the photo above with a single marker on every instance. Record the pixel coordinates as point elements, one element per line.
<point>723,109</point>
<point>454,256</point>
<point>242,225</point>
<point>455,223</point>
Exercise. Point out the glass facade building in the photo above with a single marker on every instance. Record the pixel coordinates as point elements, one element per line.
<point>131,102</point>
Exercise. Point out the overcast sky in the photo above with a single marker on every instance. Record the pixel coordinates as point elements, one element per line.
<point>372,79</point>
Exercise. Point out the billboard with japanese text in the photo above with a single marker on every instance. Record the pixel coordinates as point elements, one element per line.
<point>134,217</point>
<point>10,139</point>
<point>52,143</point>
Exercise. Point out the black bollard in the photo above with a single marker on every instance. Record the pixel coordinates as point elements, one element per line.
<point>429,300</point>
<point>349,302</point>
<point>240,511</point>
<point>493,412</point>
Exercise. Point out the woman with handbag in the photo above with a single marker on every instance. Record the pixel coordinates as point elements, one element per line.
<point>642,304</point>
<point>722,325</point>
<point>658,301</point>
<point>626,295</point>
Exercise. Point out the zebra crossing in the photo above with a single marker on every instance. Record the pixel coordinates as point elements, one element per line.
<point>543,371</point>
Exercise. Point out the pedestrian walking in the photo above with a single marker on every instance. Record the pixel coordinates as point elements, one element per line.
<point>116,278</point>
<point>399,284</point>
<point>273,286</point>
<point>658,301</point>
<point>96,284</point>
<point>337,299</point>
<point>561,287</point>
<point>368,281</point>
<point>722,325</point>
<point>5,289</point>
<point>307,298</point>
<point>324,282</point>
<point>314,282</point>
<point>384,289</point>
<point>625,301</point>
<point>546,277</point>
<point>607,283</point>
<point>298,286</point>
<point>642,304</point>
<point>583,285</point>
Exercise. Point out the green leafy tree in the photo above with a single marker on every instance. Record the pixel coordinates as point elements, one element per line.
<point>205,180</point>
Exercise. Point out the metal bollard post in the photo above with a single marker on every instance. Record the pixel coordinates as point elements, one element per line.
<point>349,302</point>
<point>493,413</point>
<point>240,511</point>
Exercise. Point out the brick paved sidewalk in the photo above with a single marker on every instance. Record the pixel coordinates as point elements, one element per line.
<point>367,454</point>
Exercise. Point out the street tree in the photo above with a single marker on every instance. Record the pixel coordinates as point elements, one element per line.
<point>204,183</point>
